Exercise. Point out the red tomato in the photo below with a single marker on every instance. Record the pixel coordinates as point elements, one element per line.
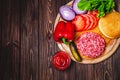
<point>61,60</point>
<point>93,22</point>
<point>79,22</point>
<point>87,21</point>
<point>95,13</point>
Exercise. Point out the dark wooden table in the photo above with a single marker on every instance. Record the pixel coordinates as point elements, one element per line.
<point>27,45</point>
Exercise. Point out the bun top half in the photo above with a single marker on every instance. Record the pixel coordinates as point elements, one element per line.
<point>109,25</point>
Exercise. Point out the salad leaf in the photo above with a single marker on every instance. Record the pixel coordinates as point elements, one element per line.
<point>101,10</point>
<point>103,6</point>
<point>84,5</point>
<point>109,5</point>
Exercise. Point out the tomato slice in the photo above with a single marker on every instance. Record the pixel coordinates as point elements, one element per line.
<point>93,22</point>
<point>79,22</point>
<point>61,60</point>
<point>95,13</point>
<point>87,20</point>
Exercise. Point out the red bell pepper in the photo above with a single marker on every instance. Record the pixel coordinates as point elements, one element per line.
<point>64,32</point>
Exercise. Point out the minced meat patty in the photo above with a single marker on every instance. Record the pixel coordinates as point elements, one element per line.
<point>91,44</point>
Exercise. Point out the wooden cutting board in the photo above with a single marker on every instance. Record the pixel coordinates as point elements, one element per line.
<point>111,44</point>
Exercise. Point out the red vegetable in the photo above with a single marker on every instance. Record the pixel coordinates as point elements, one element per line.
<point>95,13</point>
<point>79,22</point>
<point>93,21</point>
<point>64,32</point>
<point>61,60</point>
<point>87,21</point>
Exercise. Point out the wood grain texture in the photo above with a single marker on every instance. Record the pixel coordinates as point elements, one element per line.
<point>29,40</point>
<point>45,40</point>
<point>6,50</point>
<point>10,35</point>
<point>0,25</point>
<point>27,45</point>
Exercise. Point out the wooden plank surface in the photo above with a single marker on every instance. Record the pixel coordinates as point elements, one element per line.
<point>9,58</point>
<point>29,40</point>
<point>27,45</point>
<point>6,51</point>
<point>0,26</point>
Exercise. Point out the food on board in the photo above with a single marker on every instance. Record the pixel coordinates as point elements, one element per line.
<point>85,22</point>
<point>75,8</point>
<point>75,52</point>
<point>103,6</point>
<point>79,22</point>
<point>90,45</point>
<point>67,13</point>
<point>85,27</point>
<point>64,32</point>
<point>109,25</point>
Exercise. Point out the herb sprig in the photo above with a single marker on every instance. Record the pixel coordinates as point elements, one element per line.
<point>103,6</point>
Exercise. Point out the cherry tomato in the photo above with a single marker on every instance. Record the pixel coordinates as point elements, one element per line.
<point>61,60</point>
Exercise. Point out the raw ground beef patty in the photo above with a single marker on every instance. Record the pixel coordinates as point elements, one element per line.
<point>91,44</point>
